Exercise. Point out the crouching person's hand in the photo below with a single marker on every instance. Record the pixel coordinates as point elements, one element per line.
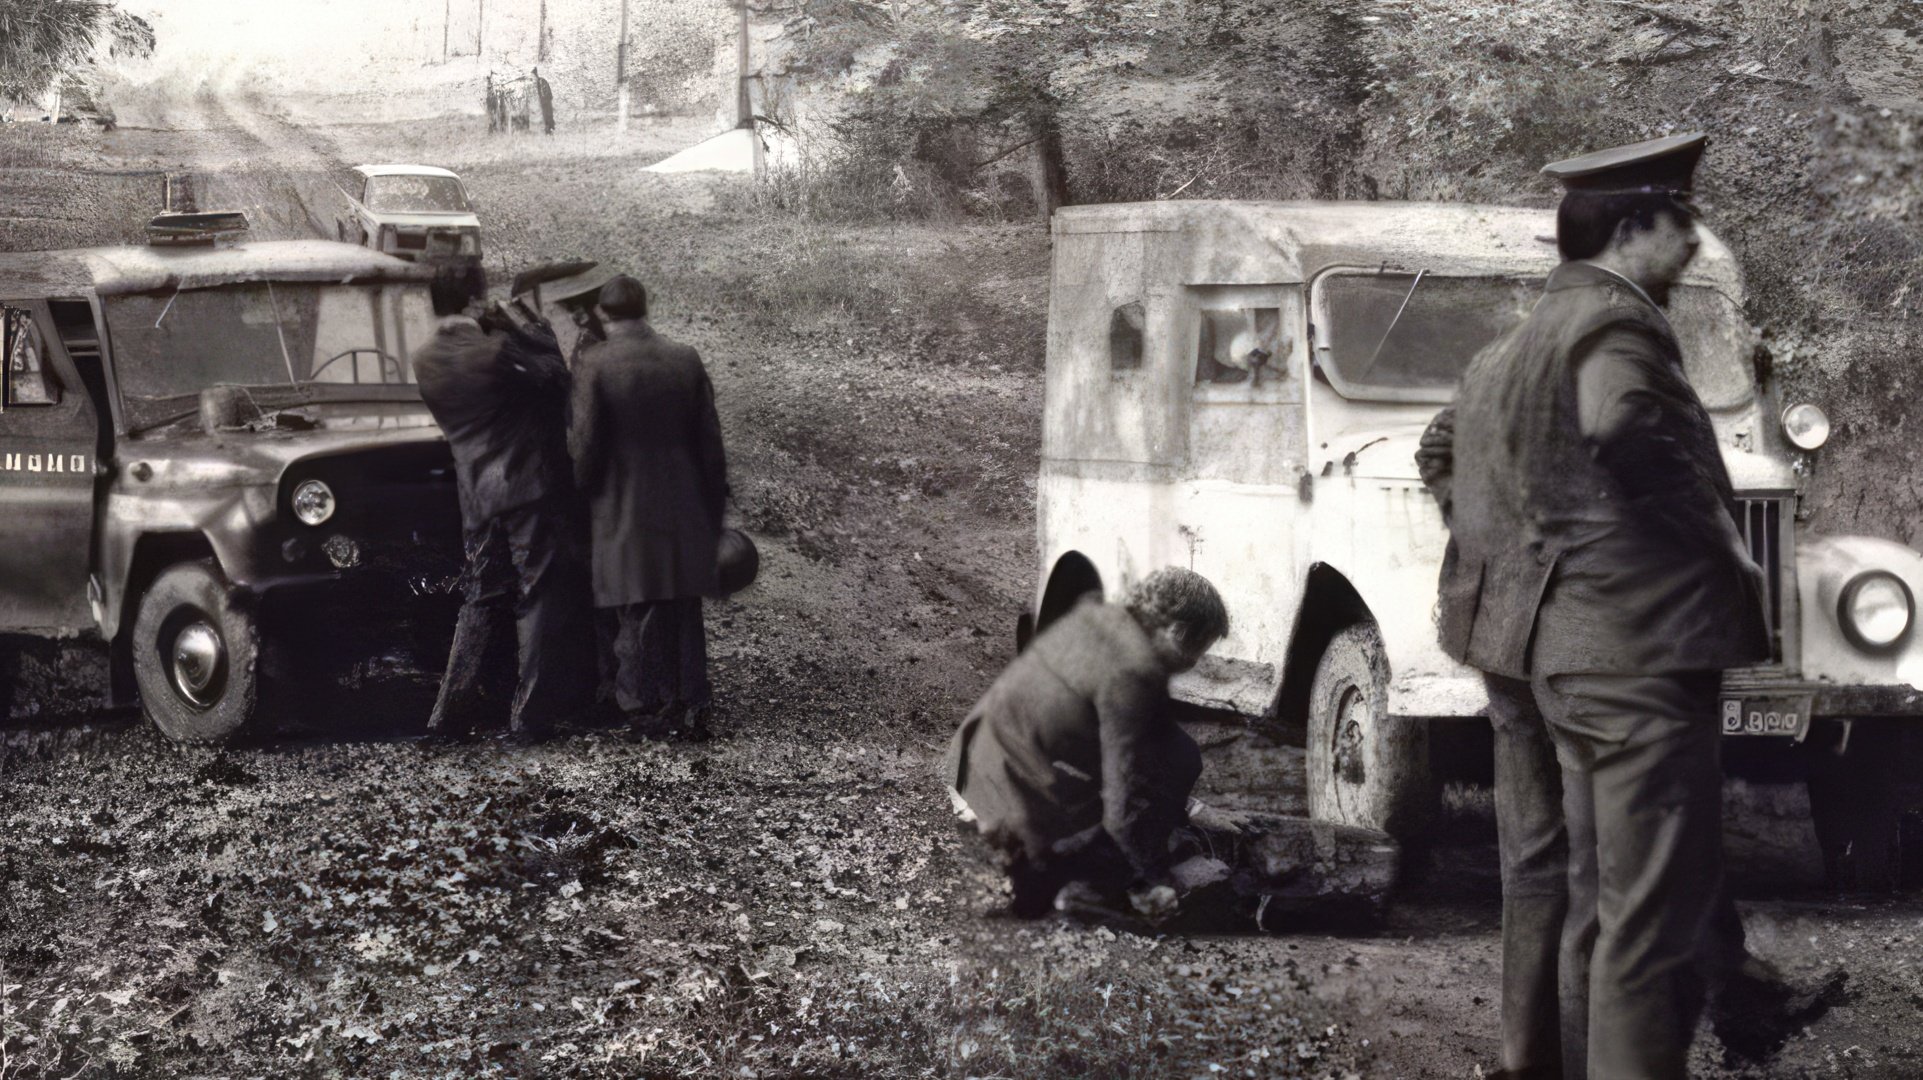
<point>1154,900</point>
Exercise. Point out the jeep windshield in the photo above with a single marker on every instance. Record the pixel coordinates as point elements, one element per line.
<point>169,345</point>
<point>1406,336</point>
<point>415,195</point>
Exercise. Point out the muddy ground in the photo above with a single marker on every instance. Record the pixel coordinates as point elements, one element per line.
<point>790,899</point>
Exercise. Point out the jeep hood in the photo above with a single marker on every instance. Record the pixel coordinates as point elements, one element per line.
<point>244,457</point>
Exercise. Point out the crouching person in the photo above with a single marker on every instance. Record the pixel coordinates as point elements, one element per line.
<point>1071,764</point>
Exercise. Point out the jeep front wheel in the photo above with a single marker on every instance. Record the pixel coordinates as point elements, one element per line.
<point>194,653</point>
<point>1365,766</point>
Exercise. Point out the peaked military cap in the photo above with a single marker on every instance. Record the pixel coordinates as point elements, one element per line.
<point>1665,165</point>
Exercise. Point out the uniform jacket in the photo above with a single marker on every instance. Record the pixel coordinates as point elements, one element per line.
<point>1058,743</point>
<point>648,458</point>
<point>499,397</point>
<point>1610,553</point>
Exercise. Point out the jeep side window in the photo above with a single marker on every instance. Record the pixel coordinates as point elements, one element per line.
<point>28,380</point>
<point>1237,345</point>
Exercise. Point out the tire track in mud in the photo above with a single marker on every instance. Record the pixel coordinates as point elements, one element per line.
<point>285,171</point>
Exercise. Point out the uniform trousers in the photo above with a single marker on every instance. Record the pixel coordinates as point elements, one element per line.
<point>661,657</point>
<point>1609,820</point>
<point>524,579</point>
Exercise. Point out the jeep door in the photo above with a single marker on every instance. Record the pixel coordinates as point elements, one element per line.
<point>49,429</point>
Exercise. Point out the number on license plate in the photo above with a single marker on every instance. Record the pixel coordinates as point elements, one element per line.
<point>1767,716</point>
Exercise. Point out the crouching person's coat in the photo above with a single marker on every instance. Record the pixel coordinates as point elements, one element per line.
<point>1076,733</point>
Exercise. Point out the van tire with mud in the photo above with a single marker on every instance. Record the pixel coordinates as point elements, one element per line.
<point>194,653</point>
<point>1365,766</point>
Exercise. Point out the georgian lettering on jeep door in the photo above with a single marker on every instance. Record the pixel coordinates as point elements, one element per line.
<point>48,428</point>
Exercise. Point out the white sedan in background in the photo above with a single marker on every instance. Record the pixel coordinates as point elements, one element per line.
<point>410,211</point>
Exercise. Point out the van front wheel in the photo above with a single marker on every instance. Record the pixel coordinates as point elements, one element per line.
<point>1365,766</point>
<point>194,651</point>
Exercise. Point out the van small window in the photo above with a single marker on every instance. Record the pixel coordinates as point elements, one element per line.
<point>28,382</point>
<point>1125,337</point>
<point>1240,345</point>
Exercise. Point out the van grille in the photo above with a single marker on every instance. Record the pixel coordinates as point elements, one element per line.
<point>1763,524</point>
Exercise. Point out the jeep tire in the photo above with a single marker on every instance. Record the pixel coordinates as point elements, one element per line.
<point>1365,767</point>
<point>194,653</point>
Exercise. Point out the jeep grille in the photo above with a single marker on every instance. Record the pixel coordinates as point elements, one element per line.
<point>1769,532</point>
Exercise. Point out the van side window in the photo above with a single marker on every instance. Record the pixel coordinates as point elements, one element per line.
<point>28,380</point>
<point>1125,337</point>
<point>1237,345</point>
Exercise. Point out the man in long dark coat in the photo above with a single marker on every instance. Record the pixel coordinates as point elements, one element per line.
<point>1071,764</point>
<point>648,457</point>
<point>546,95</point>
<point>1596,575</point>
<point>498,394</point>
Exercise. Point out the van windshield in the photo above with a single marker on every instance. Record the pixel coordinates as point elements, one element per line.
<point>1402,336</point>
<point>169,346</point>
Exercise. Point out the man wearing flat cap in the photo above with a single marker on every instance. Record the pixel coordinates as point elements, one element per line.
<point>1597,576</point>
<point>648,457</point>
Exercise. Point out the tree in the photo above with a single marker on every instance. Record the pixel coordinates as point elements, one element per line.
<point>42,41</point>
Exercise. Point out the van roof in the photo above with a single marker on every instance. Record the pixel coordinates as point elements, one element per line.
<point>403,170</point>
<point>1236,242</point>
<point>109,271</point>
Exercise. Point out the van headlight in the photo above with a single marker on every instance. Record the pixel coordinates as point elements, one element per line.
<point>1806,426</point>
<point>1876,610</point>
<point>313,502</point>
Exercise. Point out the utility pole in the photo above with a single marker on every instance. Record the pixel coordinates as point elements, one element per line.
<point>621,73</point>
<point>744,105</point>
<point>480,16</point>
<point>541,35</point>
<point>447,18</point>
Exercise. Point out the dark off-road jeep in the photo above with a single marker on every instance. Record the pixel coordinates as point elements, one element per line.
<point>190,430</point>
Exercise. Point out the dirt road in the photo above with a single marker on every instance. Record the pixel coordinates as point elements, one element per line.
<point>791,899</point>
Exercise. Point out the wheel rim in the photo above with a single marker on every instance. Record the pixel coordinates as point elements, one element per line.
<point>197,664</point>
<point>1354,717</point>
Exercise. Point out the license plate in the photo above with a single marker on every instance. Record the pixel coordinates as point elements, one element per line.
<point>1786,717</point>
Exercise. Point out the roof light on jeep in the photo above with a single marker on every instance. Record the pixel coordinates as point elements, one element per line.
<point>1806,426</point>
<point>215,226</point>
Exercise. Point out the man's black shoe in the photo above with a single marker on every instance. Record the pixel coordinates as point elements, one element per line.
<point>693,724</point>
<point>647,726</point>
<point>436,738</point>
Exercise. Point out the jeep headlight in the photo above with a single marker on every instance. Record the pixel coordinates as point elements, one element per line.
<point>1806,426</point>
<point>313,502</point>
<point>1876,610</point>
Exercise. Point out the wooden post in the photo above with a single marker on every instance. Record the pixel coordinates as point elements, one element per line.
<point>621,73</point>
<point>541,34</point>
<point>480,17</point>
<point>744,106</point>
<point>447,19</point>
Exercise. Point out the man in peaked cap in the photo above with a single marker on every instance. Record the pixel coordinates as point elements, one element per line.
<point>1597,577</point>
